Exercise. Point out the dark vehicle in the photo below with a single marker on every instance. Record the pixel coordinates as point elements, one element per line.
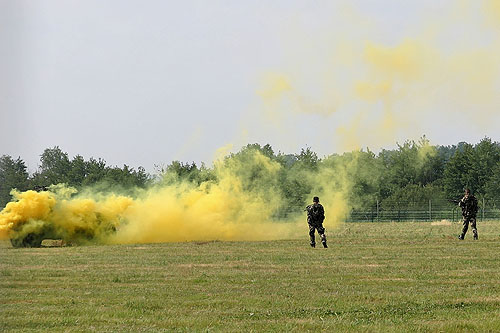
<point>32,239</point>
<point>32,232</point>
<point>21,238</point>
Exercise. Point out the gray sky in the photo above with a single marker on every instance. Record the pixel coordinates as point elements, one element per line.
<point>146,82</point>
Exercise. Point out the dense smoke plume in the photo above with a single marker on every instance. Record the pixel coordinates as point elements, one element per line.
<point>242,201</point>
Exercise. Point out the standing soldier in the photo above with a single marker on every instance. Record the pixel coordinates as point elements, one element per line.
<point>469,210</point>
<point>315,218</point>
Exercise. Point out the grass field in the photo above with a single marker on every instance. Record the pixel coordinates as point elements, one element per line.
<point>374,277</point>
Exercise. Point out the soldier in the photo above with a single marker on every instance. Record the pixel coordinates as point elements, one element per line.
<point>315,217</point>
<point>469,210</point>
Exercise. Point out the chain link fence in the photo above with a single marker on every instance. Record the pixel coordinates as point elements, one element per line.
<point>435,210</point>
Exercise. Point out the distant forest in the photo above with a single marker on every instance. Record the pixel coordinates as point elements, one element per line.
<point>414,173</point>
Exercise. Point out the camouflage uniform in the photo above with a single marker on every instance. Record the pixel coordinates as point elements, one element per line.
<point>315,218</point>
<point>469,211</point>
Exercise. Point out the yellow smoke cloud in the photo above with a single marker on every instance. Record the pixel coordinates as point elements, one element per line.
<point>492,11</point>
<point>278,92</point>
<point>56,215</point>
<point>27,206</point>
<point>373,91</point>
<point>404,61</point>
<point>384,91</point>
<point>241,204</point>
<point>275,86</point>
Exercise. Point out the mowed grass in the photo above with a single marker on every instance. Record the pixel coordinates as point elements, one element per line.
<point>374,277</point>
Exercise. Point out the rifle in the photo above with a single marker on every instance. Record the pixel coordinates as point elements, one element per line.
<point>456,202</point>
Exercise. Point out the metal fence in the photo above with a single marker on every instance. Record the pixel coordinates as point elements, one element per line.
<point>433,211</point>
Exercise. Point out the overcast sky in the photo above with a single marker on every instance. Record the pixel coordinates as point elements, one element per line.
<point>147,82</point>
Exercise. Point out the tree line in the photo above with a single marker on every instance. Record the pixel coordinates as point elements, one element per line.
<point>411,174</point>
<point>56,167</point>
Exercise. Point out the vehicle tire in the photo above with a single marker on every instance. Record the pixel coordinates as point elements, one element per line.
<point>30,240</point>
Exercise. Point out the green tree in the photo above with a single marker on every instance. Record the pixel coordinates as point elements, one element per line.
<point>254,172</point>
<point>413,163</point>
<point>486,157</point>
<point>13,174</point>
<point>472,167</point>
<point>457,173</point>
<point>96,171</point>
<point>78,171</point>
<point>54,168</point>
<point>308,159</point>
<point>365,172</point>
<point>492,186</point>
<point>430,163</point>
<point>142,178</point>
<point>179,171</point>
<point>296,179</point>
<point>413,196</point>
<point>126,177</point>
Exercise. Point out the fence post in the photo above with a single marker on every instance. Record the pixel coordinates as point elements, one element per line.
<point>430,210</point>
<point>378,219</point>
<point>482,215</point>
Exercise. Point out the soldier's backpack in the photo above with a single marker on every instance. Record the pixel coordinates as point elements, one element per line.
<point>315,213</point>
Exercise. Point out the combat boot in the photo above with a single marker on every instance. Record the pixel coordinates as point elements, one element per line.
<point>461,237</point>
<point>475,237</point>
<point>313,245</point>
<point>324,245</point>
